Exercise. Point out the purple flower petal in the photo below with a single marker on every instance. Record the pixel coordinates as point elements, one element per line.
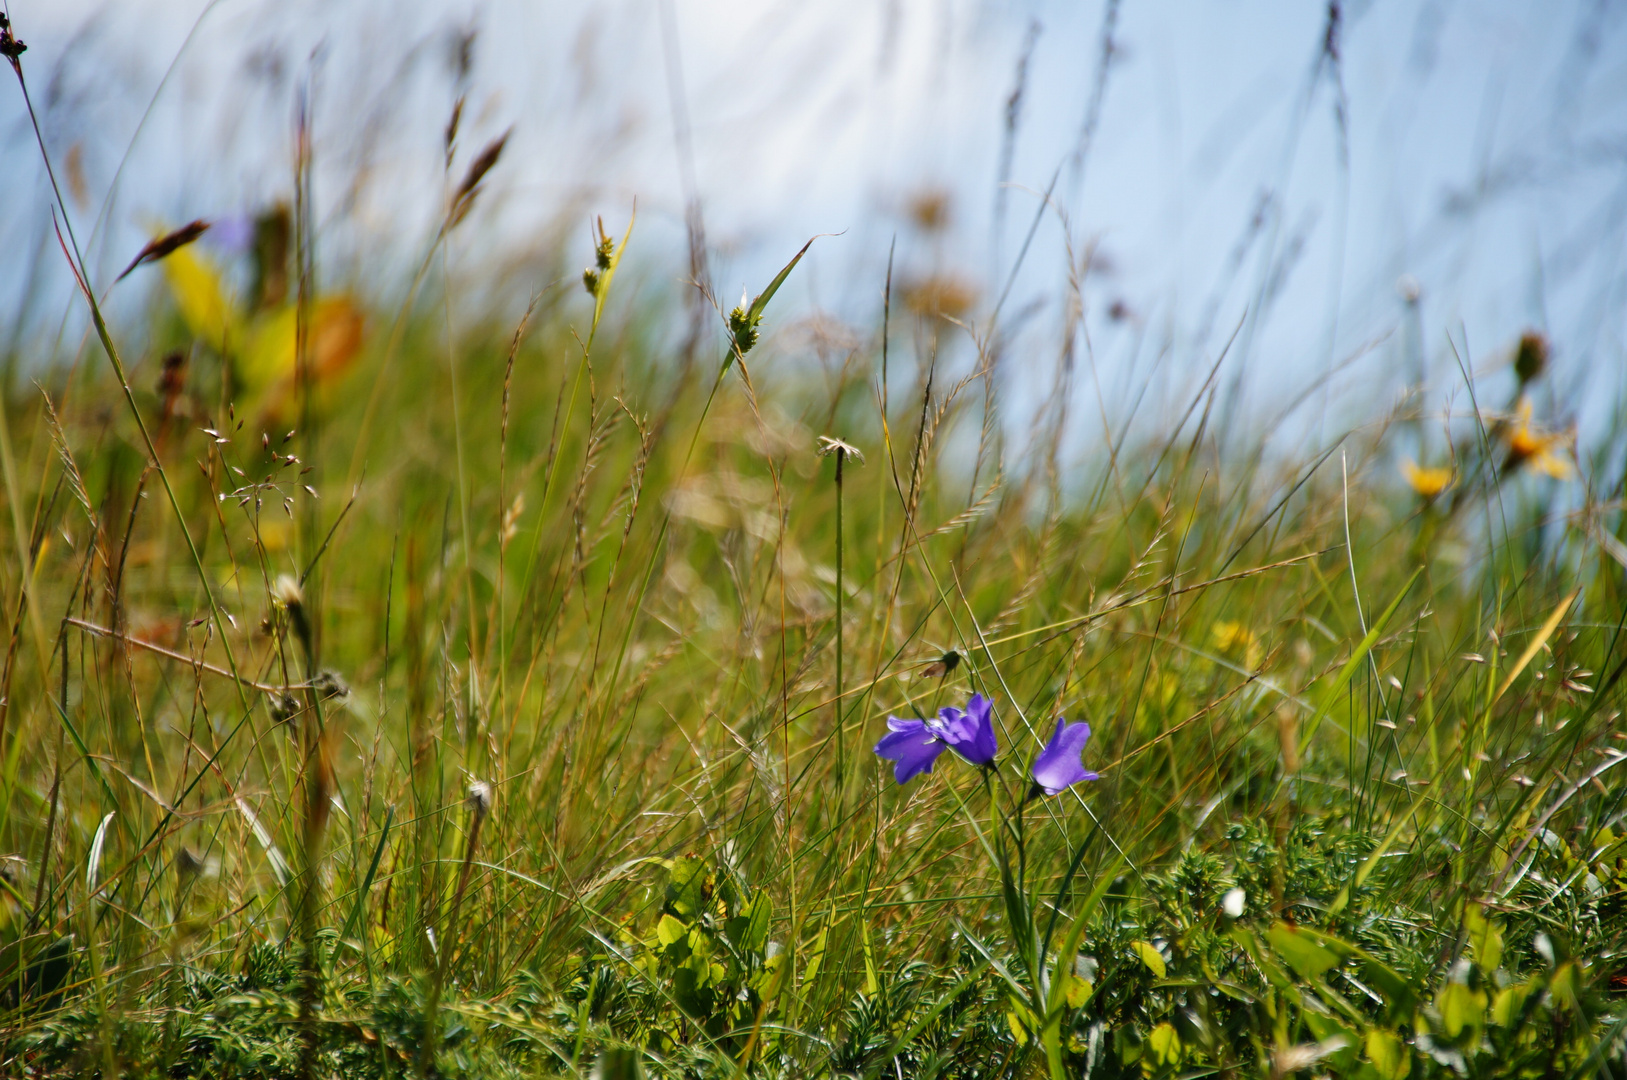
<point>233,235</point>
<point>970,733</point>
<point>1058,766</point>
<point>911,746</point>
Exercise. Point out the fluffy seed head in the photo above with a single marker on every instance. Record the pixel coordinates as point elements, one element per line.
<point>479,798</point>
<point>287,592</point>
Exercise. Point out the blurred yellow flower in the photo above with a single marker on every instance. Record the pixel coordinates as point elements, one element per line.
<point>1533,448</point>
<point>195,282</point>
<point>262,347</point>
<point>1427,482</point>
<point>1234,637</point>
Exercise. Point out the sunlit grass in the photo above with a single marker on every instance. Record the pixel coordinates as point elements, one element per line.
<point>401,701</point>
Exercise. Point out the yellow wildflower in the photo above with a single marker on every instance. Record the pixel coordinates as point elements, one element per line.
<point>1234,637</point>
<point>1533,448</point>
<point>1427,482</point>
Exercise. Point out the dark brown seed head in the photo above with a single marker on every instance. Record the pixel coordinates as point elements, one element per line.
<point>1531,358</point>
<point>167,244</point>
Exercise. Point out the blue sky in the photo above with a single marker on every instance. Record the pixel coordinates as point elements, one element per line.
<point>1483,154</point>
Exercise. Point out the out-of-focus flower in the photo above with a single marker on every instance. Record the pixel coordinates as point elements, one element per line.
<point>264,347</point>
<point>1428,482</point>
<point>1060,765</point>
<point>941,295</point>
<point>233,235</point>
<point>1530,447</point>
<point>1234,637</point>
<point>1233,903</point>
<point>931,209</point>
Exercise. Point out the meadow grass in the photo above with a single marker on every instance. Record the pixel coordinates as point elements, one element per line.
<point>501,701</point>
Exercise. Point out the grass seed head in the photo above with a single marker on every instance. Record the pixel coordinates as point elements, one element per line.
<point>284,707</point>
<point>11,46</point>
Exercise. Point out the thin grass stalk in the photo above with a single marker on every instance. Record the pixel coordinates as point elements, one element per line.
<point>77,264</point>
<point>479,804</point>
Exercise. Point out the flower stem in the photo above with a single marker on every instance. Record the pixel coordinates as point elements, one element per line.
<point>841,743</point>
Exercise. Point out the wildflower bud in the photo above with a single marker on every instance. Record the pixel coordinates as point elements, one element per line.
<point>1408,288</point>
<point>479,799</point>
<point>1233,903</point>
<point>1531,358</point>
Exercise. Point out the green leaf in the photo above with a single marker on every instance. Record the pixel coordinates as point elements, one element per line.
<point>816,956</point>
<point>1300,951</point>
<point>1267,964</point>
<point>1151,957</point>
<point>1165,1045</point>
<point>619,1063</point>
<point>1069,949</point>
<point>367,882</point>
<point>872,982</point>
<point>1402,996</point>
<point>743,320</point>
<point>1506,1006</point>
<point>762,915</point>
<point>1336,1041</point>
<point>1461,1008</point>
<point>1388,1053</point>
<point>686,887</point>
<point>759,305</point>
<point>670,931</point>
<point>1485,938</point>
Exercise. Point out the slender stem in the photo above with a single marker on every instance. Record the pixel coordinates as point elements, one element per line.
<point>76,262</point>
<point>836,702</point>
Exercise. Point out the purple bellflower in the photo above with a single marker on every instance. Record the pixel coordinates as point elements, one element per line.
<point>911,746</point>
<point>969,733</point>
<point>1058,766</point>
<point>914,745</point>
